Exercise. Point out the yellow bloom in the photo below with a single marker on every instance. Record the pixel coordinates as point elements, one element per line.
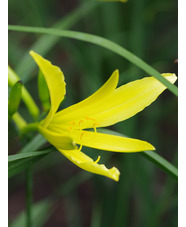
<point>67,129</point>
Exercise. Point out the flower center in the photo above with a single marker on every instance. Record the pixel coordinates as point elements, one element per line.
<point>84,123</point>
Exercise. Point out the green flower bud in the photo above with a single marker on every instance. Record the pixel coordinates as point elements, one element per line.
<point>44,95</point>
<point>14,98</point>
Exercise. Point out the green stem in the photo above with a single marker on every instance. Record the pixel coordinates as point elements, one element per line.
<point>22,124</point>
<point>19,121</point>
<point>28,100</point>
<point>29,187</point>
<point>30,127</point>
<point>101,42</point>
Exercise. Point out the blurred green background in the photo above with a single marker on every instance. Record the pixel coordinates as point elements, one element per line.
<point>63,194</point>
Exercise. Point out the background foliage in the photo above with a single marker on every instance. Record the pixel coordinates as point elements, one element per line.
<point>63,195</point>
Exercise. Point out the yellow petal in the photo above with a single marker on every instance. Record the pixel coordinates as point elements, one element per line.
<point>55,81</point>
<point>87,106</point>
<point>109,142</point>
<point>61,140</point>
<point>85,162</point>
<point>121,104</point>
<point>130,99</point>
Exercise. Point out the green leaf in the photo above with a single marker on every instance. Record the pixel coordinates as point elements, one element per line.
<point>34,144</point>
<point>20,162</point>
<point>103,42</point>
<point>161,162</point>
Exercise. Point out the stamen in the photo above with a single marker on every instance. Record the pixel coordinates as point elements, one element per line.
<point>97,159</point>
<point>94,127</point>
<point>83,133</point>
<point>71,127</point>
<point>80,147</point>
<point>80,122</point>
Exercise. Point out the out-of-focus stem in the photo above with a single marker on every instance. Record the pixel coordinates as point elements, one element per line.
<point>29,187</point>
<point>19,121</point>
<point>30,127</point>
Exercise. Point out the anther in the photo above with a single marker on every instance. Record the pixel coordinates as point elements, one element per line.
<point>71,126</point>
<point>83,133</point>
<point>80,122</point>
<point>91,119</point>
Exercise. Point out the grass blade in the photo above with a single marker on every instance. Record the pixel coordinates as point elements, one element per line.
<point>161,162</point>
<point>20,162</point>
<point>34,144</point>
<point>103,42</point>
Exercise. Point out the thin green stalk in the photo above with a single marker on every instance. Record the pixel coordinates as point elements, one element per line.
<point>30,127</point>
<point>27,98</point>
<point>101,42</point>
<point>161,162</point>
<point>29,187</point>
<point>19,121</point>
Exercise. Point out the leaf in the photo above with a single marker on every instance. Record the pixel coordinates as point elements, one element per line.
<point>103,42</point>
<point>34,144</point>
<point>161,162</point>
<point>20,162</point>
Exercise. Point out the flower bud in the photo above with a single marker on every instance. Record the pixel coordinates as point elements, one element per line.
<point>43,92</point>
<point>14,98</point>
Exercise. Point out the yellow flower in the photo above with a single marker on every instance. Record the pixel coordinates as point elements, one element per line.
<point>68,129</point>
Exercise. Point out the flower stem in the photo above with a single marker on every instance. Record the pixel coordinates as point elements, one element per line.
<point>29,187</point>
<point>19,121</point>
<point>30,127</point>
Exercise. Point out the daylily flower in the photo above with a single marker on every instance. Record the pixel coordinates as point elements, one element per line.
<point>69,129</point>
